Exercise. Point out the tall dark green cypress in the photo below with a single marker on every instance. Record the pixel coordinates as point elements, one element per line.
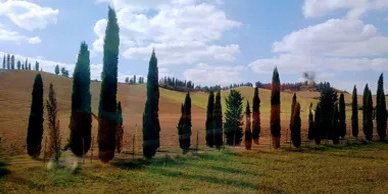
<point>296,125</point>
<point>354,113</point>
<point>80,119</point>
<point>120,128</point>
<point>256,128</point>
<point>318,125</point>
<point>19,64</point>
<point>293,105</point>
<point>367,114</point>
<point>56,70</point>
<point>36,66</point>
<point>209,121</point>
<point>328,99</point>
<point>151,125</point>
<point>13,62</point>
<point>275,109</point>
<point>35,123</point>
<point>381,109</point>
<point>335,131</point>
<point>8,61</point>
<point>107,107</point>
<point>184,126</point>
<point>342,117</point>
<point>248,132</point>
<point>4,62</point>
<point>233,118</point>
<point>311,132</point>
<point>217,121</point>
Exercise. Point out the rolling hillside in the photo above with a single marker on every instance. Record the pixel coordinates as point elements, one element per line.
<point>15,100</point>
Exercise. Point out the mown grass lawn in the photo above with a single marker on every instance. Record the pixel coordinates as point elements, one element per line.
<point>336,169</point>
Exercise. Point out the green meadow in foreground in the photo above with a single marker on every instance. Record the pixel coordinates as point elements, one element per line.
<point>337,169</point>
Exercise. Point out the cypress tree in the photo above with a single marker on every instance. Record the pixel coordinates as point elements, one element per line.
<point>335,132</point>
<point>354,113</point>
<point>36,66</point>
<point>184,126</point>
<point>57,70</point>
<point>80,119</point>
<point>18,65</point>
<point>53,124</point>
<point>209,121</point>
<point>13,62</point>
<point>296,125</point>
<point>367,114</point>
<point>311,123</point>
<point>293,105</point>
<point>381,109</point>
<point>217,121</point>
<point>151,125</point>
<point>248,132</point>
<point>107,107</point>
<point>256,116</point>
<point>4,62</point>
<point>120,129</point>
<point>342,117</point>
<point>29,66</point>
<point>275,109</point>
<point>35,123</point>
<point>318,125</point>
<point>233,117</point>
<point>327,100</point>
<point>8,62</point>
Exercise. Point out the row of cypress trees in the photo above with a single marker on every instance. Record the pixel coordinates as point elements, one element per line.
<point>9,63</point>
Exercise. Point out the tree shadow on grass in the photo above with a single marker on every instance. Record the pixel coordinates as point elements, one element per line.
<point>209,179</point>
<point>223,169</point>
<point>3,169</point>
<point>142,163</point>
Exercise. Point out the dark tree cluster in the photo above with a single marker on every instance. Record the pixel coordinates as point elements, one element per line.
<point>134,80</point>
<point>175,84</point>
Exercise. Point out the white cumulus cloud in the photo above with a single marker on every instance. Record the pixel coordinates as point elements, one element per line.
<point>28,15</point>
<point>13,36</point>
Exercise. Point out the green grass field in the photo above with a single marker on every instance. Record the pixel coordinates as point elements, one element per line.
<point>355,168</point>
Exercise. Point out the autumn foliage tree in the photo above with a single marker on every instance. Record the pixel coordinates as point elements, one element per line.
<point>248,132</point>
<point>107,106</point>
<point>53,124</point>
<point>275,109</point>
<point>35,123</point>
<point>256,116</point>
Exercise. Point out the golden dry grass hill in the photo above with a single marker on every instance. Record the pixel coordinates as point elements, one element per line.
<point>15,100</point>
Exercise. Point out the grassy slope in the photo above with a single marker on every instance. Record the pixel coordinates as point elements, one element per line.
<point>352,169</point>
<point>15,99</point>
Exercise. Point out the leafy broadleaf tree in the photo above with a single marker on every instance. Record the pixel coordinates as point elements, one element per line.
<point>209,121</point>
<point>233,116</point>
<point>248,132</point>
<point>354,113</point>
<point>342,117</point>
<point>275,109</point>
<point>81,119</point>
<point>217,121</point>
<point>151,125</point>
<point>296,125</point>
<point>107,106</point>
<point>367,114</point>
<point>184,126</point>
<point>53,124</point>
<point>35,123</point>
<point>256,116</point>
<point>120,129</point>
<point>381,109</point>
<point>311,132</point>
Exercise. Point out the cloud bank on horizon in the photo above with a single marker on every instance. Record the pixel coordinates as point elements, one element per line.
<point>189,37</point>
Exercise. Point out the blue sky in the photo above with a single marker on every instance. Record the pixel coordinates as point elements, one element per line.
<point>209,41</point>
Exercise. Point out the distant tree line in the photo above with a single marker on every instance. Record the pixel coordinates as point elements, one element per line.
<point>9,62</point>
<point>134,80</point>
